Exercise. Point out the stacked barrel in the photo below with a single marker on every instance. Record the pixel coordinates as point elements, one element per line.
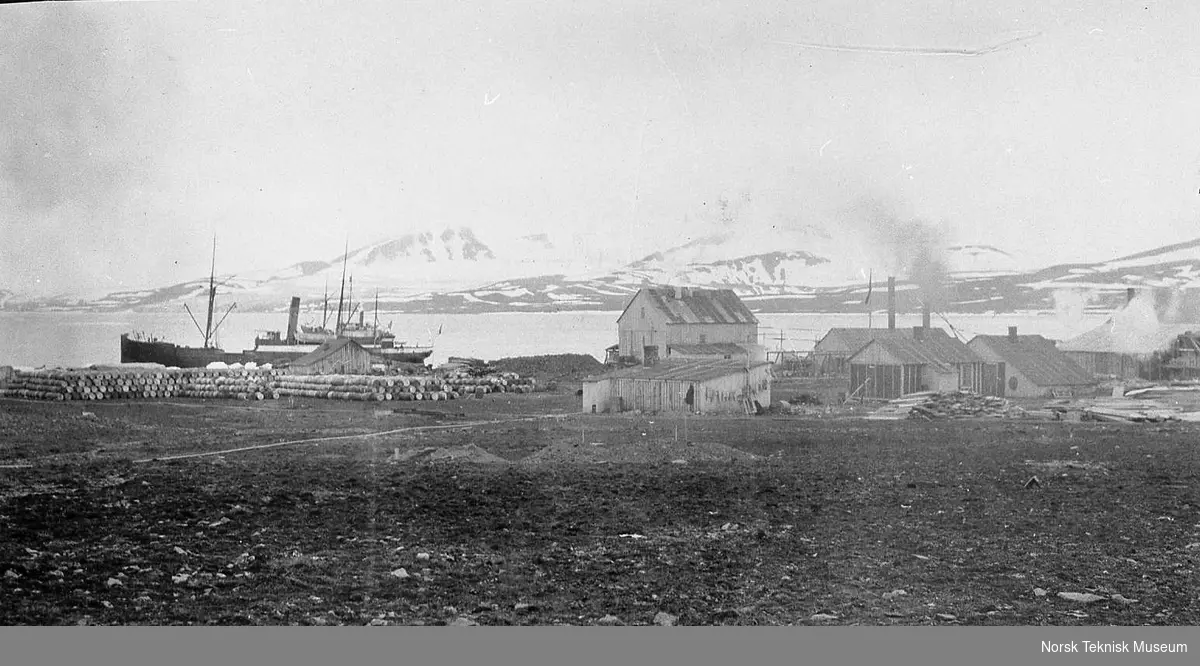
<point>335,387</point>
<point>251,384</point>
<point>505,382</point>
<point>135,383</point>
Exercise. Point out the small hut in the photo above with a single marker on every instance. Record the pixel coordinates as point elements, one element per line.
<point>1030,366</point>
<point>929,359</point>
<point>335,357</point>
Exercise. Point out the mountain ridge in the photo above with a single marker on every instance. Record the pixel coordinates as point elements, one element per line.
<point>454,270</point>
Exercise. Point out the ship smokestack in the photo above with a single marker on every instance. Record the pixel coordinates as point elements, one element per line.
<point>891,303</point>
<point>1012,333</point>
<point>293,320</point>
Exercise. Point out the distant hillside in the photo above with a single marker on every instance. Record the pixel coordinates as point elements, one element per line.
<point>802,270</point>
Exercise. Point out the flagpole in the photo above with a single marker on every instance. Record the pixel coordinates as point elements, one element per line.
<point>867,300</point>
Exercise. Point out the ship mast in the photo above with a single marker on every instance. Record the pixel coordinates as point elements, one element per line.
<point>325,308</point>
<point>342,292</point>
<point>212,294</point>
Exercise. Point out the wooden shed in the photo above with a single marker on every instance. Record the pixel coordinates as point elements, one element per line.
<point>1110,350</point>
<point>831,355</point>
<point>336,357</point>
<point>927,360</point>
<point>699,386</point>
<point>1030,366</point>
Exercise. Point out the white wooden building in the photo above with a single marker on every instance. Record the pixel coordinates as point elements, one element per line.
<point>659,317</point>
<point>699,386</point>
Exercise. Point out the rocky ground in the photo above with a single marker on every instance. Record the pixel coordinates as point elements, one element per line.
<point>475,511</point>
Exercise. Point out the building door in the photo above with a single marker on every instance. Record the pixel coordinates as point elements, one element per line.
<point>650,354</point>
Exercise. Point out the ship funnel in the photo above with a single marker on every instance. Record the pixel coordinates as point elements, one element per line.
<point>293,320</point>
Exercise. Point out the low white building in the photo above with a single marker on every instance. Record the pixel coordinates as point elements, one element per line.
<point>698,386</point>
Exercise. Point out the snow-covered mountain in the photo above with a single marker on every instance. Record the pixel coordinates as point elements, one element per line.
<point>798,269</point>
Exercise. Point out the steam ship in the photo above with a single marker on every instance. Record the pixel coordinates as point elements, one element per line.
<point>300,339</point>
<point>139,348</point>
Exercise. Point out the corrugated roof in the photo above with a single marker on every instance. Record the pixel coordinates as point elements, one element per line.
<point>1037,358</point>
<point>1111,338</point>
<point>935,348</point>
<point>851,340</point>
<point>700,306</point>
<point>688,371</point>
<point>326,349</point>
<point>709,349</point>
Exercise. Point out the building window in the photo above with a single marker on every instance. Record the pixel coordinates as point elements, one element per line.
<point>703,338</point>
<point>643,313</point>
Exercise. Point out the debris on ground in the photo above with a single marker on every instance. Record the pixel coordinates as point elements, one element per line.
<point>469,453</point>
<point>1081,597</point>
<point>652,451</point>
<point>664,619</point>
<point>932,405</point>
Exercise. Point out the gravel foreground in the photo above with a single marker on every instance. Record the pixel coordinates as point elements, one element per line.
<point>632,519</point>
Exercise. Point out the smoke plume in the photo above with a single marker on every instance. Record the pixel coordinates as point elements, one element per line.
<point>913,249</point>
<point>1149,321</point>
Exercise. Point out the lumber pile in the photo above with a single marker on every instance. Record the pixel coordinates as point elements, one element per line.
<point>932,405</point>
<point>1123,410</point>
<point>135,383</point>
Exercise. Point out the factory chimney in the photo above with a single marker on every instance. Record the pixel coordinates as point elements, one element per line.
<point>891,303</point>
<point>918,332</point>
<point>293,319</point>
<point>1012,333</point>
<point>1129,294</point>
<point>925,316</point>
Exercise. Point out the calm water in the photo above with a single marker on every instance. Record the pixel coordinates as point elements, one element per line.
<point>29,339</point>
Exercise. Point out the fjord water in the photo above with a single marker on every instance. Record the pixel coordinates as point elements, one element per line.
<point>67,339</point>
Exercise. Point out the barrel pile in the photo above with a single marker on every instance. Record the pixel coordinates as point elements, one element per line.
<point>404,387</point>
<point>251,384</point>
<point>128,384</point>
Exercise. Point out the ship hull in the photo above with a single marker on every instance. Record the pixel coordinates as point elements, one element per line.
<point>172,355</point>
<point>397,355</point>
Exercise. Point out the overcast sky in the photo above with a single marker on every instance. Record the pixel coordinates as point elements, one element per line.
<point>131,132</point>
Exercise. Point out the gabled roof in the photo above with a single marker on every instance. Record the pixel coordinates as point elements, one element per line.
<point>934,348</point>
<point>697,306</point>
<point>1111,338</point>
<point>327,349</point>
<point>688,371</point>
<point>1037,358</point>
<point>851,340</point>
<point>709,349</point>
